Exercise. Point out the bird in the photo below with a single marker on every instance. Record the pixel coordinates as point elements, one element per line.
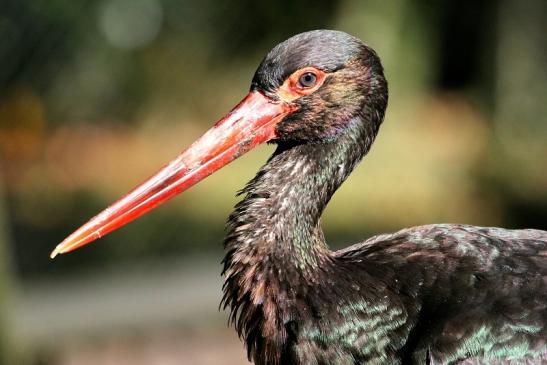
<point>432,294</point>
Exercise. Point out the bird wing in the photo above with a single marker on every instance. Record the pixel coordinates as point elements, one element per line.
<point>540,358</point>
<point>470,292</point>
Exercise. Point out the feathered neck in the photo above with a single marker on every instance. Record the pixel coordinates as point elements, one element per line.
<point>274,245</point>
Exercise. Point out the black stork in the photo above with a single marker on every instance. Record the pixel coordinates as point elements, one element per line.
<point>443,293</point>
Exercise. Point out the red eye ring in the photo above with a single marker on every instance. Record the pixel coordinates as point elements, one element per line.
<point>302,82</point>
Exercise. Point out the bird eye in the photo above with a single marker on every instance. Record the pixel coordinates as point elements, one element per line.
<point>307,79</point>
<point>304,81</point>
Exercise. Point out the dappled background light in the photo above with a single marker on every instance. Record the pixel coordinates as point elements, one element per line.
<point>96,95</point>
<point>130,24</point>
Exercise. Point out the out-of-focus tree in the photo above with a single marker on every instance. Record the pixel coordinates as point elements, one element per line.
<point>7,354</point>
<point>518,177</point>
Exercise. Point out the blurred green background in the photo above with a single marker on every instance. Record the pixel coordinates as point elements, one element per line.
<point>97,95</point>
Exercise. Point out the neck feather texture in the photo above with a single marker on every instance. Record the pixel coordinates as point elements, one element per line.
<point>274,241</point>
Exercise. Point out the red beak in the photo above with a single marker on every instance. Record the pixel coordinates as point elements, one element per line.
<point>251,122</point>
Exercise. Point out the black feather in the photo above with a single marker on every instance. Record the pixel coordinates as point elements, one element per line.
<point>450,294</point>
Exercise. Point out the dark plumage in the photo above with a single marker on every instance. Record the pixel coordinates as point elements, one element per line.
<point>450,294</point>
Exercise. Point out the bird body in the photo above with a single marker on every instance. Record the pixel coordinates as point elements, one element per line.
<point>418,296</point>
<point>430,294</point>
<point>436,294</point>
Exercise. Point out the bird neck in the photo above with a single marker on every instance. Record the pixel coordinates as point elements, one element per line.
<point>277,224</point>
<point>275,248</point>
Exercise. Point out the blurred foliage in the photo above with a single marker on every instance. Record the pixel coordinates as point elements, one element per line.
<point>7,341</point>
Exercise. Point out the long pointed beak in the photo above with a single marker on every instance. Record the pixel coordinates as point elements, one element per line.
<point>250,123</point>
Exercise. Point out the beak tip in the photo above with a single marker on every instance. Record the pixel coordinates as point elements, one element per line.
<point>54,253</point>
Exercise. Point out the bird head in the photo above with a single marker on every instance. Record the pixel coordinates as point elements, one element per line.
<point>327,77</point>
<point>306,90</point>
